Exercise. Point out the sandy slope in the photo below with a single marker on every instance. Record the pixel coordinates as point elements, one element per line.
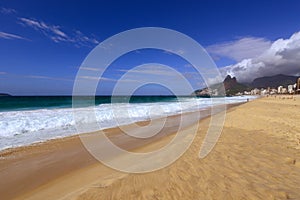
<point>257,157</point>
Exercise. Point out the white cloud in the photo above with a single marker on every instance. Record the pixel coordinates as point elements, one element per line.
<point>7,11</point>
<point>80,37</point>
<point>240,49</point>
<point>96,78</point>
<point>35,76</point>
<point>156,70</point>
<point>10,36</point>
<point>46,77</point>
<point>53,32</point>
<point>89,77</point>
<point>174,51</point>
<point>283,57</point>
<point>56,34</point>
<point>91,69</point>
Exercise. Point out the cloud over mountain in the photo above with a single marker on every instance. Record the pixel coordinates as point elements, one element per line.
<point>282,57</point>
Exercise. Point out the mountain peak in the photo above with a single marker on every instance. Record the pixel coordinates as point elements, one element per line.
<point>230,85</point>
<point>229,78</point>
<point>229,81</point>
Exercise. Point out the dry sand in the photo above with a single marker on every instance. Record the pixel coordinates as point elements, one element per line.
<point>256,157</point>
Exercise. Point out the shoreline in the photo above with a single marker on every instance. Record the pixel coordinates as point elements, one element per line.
<point>10,150</point>
<point>52,154</point>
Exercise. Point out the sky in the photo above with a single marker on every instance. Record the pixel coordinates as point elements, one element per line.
<point>43,43</point>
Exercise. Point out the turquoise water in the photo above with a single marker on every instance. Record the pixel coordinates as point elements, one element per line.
<point>14,103</point>
<point>26,120</point>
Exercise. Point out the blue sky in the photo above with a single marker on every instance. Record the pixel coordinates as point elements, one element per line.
<point>42,43</point>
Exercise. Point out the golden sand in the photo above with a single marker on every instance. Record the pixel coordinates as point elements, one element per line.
<point>256,157</point>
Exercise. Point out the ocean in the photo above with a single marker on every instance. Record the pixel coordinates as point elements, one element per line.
<point>31,119</point>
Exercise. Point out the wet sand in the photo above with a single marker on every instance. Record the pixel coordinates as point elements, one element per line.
<point>256,157</point>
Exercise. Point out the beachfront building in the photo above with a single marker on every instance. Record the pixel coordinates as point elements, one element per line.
<point>298,86</point>
<point>264,92</point>
<point>279,90</point>
<point>273,91</point>
<point>284,91</point>
<point>247,93</point>
<point>290,89</point>
<point>255,92</point>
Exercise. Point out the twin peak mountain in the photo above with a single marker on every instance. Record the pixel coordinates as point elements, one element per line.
<point>232,86</point>
<point>228,87</point>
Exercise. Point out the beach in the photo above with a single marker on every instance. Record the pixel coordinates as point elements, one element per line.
<point>256,157</point>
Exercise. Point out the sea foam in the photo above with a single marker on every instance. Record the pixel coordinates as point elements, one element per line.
<point>18,128</point>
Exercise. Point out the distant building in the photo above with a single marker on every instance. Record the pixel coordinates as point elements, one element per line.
<point>215,92</point>
<point>247,93</point>
<point>255,92</point>
<point>290,89</point>
<point>264,92</point>
<point>279,90</point>
<point>298,86</point>
<point>284,91</point>
<point>273,91</point>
